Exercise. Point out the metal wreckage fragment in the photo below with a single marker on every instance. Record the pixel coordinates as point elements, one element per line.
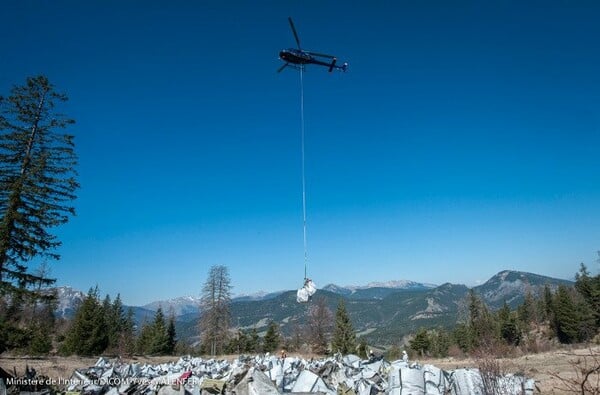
<point>270,375</point>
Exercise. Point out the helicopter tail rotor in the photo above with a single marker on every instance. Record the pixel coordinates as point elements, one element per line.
<point>332,65</point>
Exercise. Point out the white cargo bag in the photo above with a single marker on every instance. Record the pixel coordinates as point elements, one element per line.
<point>304,293</point>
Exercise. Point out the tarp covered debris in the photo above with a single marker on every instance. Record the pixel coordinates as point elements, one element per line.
<point>270,375</point>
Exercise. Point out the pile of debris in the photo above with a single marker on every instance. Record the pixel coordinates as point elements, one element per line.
<point>270,375</point>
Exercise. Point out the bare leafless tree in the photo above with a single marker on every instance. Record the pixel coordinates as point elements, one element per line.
<point>215,312</point>
<point>42,293</point>
<point>320,325</point>
<point>585,375</point>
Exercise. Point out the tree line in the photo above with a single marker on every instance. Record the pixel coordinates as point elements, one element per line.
<point>566,315</point>
<point>318,335</point>
<point>105,328</point>
<point>322,334</point>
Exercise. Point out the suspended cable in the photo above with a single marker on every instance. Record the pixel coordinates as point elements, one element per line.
<point>303,173</point>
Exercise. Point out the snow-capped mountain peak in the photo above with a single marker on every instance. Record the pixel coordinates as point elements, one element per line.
<point>399,284</point>
<point>376,290</point>
<point>394,284</point>
<point>177,306</point>
<point>69,300</point>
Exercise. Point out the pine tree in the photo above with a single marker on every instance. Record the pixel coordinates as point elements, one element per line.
<point>88,334</point>
<point>589,288</point>
<point>115,318</point>
<point>482,325</point>
<point>440,342</point>
<point>566,322</point>
<point>127,335</point>
<point>509,329</point>
<point>144,339</point>
<point>548,303</point>
<point>159,341</point>
<point>526,312</point>
<point>242,342</point>
<point>421,343</point>
<point>253,341</point>
<point>108,319</point>
<point>171,336</point>
<point>463,337</point>
<point>33,317</point>
<point>41,342</point>
<point>586,319</point>
<point>37,180</point>
<point>344,337</point>
<point>215,309</point>
<point>237,343</point>
<point>272,338</point>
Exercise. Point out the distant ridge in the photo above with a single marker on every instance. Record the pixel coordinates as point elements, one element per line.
<point>261,295</point>
<point>512,286</point>
<point>381,312</point>
<point>177,306</point>
<point>376,290</point>
<point>398,284</point>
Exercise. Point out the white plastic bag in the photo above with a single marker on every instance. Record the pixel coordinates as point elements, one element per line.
<point>304,293</point>
<point>310,287</point>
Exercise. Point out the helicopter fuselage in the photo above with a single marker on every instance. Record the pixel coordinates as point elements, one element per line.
<point>295,56</point>
<point>301,58</point>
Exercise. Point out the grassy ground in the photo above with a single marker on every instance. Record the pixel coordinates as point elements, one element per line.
<point>542,367</point>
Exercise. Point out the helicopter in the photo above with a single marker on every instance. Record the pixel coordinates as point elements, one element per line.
<point>298,58</point>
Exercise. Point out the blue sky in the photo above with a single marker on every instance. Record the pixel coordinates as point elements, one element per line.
<point>462,141</point>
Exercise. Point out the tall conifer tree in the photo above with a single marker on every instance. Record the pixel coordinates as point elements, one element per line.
<point>272,338</point>
<point>37,180</point>
<point>159,340</point>
<point>171,336</point>
<point>566,319</point>
<point>344,337</point>
<point>88,334</point>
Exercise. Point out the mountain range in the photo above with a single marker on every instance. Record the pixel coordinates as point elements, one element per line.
<point>377,290</point>
<point>381,312</point>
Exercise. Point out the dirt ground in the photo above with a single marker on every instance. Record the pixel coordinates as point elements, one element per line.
<point>542,367</point>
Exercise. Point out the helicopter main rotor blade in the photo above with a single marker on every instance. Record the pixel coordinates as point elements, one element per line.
<point>322,55</point>
<point>279,70</point>
<point>294,31</point>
